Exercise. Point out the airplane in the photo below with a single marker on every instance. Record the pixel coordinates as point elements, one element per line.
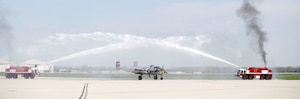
<point>152,70</point>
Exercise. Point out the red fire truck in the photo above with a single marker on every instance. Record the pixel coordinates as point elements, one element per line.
<point>255,72</point>
<point>24,71</point>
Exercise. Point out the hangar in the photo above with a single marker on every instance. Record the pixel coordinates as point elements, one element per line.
<point>4,64</point>
<point>42,66</point>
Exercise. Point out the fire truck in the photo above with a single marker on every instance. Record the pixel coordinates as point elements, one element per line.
<point>24,71</point>
<point>254,72</point>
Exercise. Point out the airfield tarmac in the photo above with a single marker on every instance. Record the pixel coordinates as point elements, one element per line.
<point>72,88</point>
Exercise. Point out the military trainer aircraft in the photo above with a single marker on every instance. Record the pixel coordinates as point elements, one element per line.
<point>152,70</point>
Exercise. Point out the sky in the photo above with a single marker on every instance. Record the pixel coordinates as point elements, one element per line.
<point>162,32</point>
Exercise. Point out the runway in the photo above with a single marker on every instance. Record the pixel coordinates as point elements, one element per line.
<point>72,88</point>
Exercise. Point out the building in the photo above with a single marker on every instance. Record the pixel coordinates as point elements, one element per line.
<point>42,66</point>
<point>4,64</point>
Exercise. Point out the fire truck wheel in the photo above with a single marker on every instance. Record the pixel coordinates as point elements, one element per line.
<point>244,77</point>
<point>26,76</point>
<point>262,77</point>
<point>15,76</point>
<point>248,76</point>
<point>32,76</point>
<point>268,77</point>
<point>8,76</point>
<point>251,77</point>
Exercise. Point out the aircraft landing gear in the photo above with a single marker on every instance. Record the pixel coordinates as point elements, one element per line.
<point>140,77</point>
<point>155,77</point>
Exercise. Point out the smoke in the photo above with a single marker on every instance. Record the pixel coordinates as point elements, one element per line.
<point>5,35</point>
<point>250,15</point>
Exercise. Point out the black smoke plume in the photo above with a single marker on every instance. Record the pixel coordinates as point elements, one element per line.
<point>250,15</point>
<point>5,36</point>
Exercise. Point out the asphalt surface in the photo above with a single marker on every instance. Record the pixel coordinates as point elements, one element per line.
<point>73,88</point>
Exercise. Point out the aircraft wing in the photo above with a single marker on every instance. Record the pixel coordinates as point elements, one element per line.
<point>140,71</point>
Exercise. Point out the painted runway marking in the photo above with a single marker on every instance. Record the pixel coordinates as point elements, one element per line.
<point>84,92</point>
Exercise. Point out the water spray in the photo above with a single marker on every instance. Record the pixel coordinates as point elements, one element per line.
<point>98,50</point>
<point>136,41</point>
<point>188,49</point>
